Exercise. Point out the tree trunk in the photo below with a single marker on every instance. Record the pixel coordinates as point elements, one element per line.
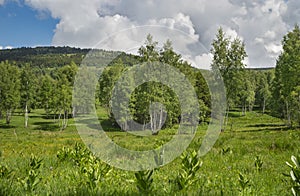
<point>250,107</point>
<point>226,120</point>
<point>8,116</point>
<point>264,106</point>
<point>288,115</point>
<point>74,112</point>
<point>125,125</point>
<point>26,116</point>
<point>59,116</point>
<point>65,120</point>
<point>244,108</point>
<point>160,118</point>
<point>153,122</point>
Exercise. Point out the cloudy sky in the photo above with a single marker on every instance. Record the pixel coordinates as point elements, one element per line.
<point>124,24</point>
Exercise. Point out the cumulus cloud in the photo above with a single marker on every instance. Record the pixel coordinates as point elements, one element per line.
<point>203,61</point>
<point>273,48</point>
<point>190,24</point>
<point>6,47</point>
<point>291,14</point>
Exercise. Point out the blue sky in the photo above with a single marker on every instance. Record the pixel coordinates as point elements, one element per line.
<point>23,26</point>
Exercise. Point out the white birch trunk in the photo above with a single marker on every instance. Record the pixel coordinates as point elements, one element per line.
<point>26,116</point>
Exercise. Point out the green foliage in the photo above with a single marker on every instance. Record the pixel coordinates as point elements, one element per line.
<point>144,181</point>
<point>64,154</point>
<point>55,93</point>
<point>28,90</point>
<point>149,93</point>
<point>295,174</point>
<point>159,157</point>
<point>4,171</point>
<point>46,94</point>
<point>228,66</point>
<point>32,178</point>
<point>258,163</point>
<point>28,87</point>
<point>149,51</point>
<point>76,171</point>
<point>44,57</point>
<point>228,57</point>
<point>73,172</point>
<point>190,164</point>
<point>244,183</point>
<point>9,89</point>
<point>77,155</point>
<point>225,151</point>
<point>286,81</point>
<point>94,172</point>
<point>263,96</point>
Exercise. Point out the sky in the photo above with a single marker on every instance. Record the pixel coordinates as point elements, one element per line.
<point>124,24</point>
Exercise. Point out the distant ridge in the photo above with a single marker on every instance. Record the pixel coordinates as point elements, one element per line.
<point>52,56</point>
<point>48,56</point>
<point>43,56</point>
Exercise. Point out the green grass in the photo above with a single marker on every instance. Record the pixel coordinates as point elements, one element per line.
<point>245,138</point>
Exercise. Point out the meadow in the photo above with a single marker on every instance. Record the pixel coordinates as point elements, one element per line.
<point>247,159</point>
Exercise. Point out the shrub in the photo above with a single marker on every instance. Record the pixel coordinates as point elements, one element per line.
<point>295,174</point>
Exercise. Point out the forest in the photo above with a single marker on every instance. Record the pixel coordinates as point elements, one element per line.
<point>41,152</point>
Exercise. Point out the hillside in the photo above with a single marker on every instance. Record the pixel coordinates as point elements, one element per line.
<point>49,57</point>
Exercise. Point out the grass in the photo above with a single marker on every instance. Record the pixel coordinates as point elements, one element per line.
<point>234,153</point>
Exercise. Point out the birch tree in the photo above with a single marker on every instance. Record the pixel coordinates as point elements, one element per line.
<point>228,59</point>
<point>287,80</point>
<point>9,89</point>
<point>28,90</point>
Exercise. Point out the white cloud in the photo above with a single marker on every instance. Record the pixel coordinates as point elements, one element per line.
<point>180,22</point>
<point>261,24</point>
<point>6,47</point>
<point>274,48</point>
<point>2,2</point>
<point>270,34</point>
<point>292,12</point>
<point>259,40</point>
<point>203,61</point>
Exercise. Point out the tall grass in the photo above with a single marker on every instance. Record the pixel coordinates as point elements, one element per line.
<point>248,158</point>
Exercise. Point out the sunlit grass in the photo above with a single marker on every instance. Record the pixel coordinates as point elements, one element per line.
<point>245,138</point>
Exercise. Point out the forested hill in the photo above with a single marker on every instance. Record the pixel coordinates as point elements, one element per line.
<point>50,56</point>
<point>45,57</point>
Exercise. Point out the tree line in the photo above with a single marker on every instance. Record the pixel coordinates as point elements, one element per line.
<point>148,93</point>
<point>25,85</point>
<point>277,90</point>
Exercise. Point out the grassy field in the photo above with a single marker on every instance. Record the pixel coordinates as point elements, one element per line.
<point>40,160</point>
